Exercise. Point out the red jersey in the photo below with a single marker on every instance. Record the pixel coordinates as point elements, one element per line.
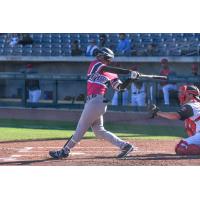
<point>190,113</point>
<point>165,72</point>
<point>98,80</point>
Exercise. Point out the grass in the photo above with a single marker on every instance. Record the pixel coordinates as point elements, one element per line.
<point>29,130</point>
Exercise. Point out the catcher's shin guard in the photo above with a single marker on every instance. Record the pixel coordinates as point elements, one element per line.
<point>183,148</point>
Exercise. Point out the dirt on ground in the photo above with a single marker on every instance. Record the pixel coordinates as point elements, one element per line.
<point>92,152</point>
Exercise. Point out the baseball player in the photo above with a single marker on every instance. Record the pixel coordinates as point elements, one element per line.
<point>115,99</point>
<point>138,94</point>
<point>99,77</point>
<point>138,91</point>
<point>190,113</point>
<point>166,86</point>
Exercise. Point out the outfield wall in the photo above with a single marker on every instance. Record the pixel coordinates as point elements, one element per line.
<point>140,118</point>
<point>78,66</point>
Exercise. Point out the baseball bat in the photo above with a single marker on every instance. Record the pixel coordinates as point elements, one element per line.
<point>158,77</point>
<point>127,71</point>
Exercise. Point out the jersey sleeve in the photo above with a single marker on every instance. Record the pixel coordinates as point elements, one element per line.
<point>185,112</point>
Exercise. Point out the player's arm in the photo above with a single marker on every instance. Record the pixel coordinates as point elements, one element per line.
<point>169,115</point>
<point>125,84</point>
<point>122,86</point>
<point>185,112</point>
<point>115,70</point>
<point>118,85</point>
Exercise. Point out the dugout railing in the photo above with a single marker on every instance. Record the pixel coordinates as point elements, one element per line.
<point>14,91</point>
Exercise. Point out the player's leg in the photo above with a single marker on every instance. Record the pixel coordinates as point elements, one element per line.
<point>165,90</point>
<point>141,99</point>
<point>102,133</point>
<point>36,96</point>
<point>173,87</point>
<point>30,94</point>
<point>189,146</point>
<point>125,98</point>
<point>115,99</point>
<point>134,100</point>
<point>91,112</point>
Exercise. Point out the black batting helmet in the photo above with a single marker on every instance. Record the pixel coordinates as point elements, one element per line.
<point>106,53</point>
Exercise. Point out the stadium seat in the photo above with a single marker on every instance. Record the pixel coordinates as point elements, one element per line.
<point>168,44</point>
<point>56,53</point>
<point>17,51</point>
<point>45,40</point>
<point>7,51</point>
<point>46,35</point>
<point>66,52</point>
<point>55,40</point>
<point>74,36</point>
<point>94,36</point>
<point>175,52</point>
<point>36,52</point>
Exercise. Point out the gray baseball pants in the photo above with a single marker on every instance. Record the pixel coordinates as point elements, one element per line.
<point>92,116</point>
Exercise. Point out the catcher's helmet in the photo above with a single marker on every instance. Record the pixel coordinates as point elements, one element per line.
<point>106,53</point>
<point>185,90</point>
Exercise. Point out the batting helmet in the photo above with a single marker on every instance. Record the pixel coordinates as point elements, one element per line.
<point>185,90</point>
<point>106,53</point>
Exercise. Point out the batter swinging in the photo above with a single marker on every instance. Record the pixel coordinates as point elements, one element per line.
<point>99,77</point>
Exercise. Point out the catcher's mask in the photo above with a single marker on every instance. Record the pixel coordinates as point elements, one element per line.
<point>106,54</point>
<point>185,90</point>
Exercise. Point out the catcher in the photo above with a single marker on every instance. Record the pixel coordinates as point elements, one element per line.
<point>190,113</point>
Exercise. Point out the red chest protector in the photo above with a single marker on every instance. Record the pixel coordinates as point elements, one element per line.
<point>190,126</point>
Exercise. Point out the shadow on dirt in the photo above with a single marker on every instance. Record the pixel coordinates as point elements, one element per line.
<point>161,156</point>
<point>25,162</point>
<point>146,157</point>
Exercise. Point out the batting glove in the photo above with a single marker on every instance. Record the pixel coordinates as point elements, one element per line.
<point>134,75</point>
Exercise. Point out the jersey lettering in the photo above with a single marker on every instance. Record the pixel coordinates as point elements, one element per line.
<point>98,80</point>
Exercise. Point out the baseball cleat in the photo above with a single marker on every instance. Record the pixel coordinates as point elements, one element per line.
<point>127,149</point>
<point>59,154</point>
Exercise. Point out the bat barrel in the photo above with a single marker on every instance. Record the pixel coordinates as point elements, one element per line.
<point>158,77</point>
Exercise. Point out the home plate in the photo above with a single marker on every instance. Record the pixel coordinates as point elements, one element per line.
<point>77,153</point>
<point>16,156</point>
<point>25,149</point>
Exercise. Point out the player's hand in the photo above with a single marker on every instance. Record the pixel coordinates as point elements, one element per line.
<point>152,110</point>
<point>134,75</point>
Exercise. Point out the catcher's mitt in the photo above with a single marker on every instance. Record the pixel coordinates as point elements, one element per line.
<point>152,109</point>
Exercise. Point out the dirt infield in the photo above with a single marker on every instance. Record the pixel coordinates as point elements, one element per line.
<point>94,153</point>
